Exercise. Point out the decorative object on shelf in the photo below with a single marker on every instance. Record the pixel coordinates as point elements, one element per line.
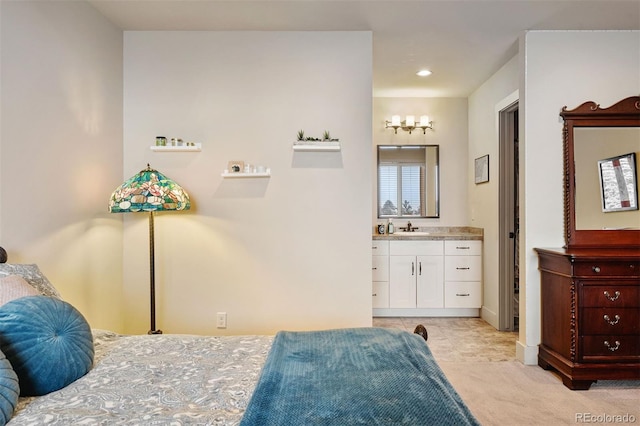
<point>235,167</point>
<point>161,141</point>
<point>327,143</point>
<point>149,191</point>
<point>326,137</point>
<point>409,124</point>
<point>482,169</point>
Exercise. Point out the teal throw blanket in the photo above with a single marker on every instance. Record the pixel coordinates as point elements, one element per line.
<point>358,376</point>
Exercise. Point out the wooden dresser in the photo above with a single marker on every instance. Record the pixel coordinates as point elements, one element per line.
<point>590,314</point>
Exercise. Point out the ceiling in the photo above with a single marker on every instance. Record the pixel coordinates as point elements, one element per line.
<point>463,42</point>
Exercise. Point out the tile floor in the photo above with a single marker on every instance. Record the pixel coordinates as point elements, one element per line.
<point>459,339</point>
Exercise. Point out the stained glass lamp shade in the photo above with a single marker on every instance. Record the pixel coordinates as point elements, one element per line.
<point>149,191</point>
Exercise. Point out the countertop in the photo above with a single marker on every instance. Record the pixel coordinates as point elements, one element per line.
<point>435,233</point>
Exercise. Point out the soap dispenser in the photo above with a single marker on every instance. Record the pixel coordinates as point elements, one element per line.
<point>391,227</point>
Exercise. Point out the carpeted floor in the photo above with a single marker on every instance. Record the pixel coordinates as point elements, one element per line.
<point>480,364</point>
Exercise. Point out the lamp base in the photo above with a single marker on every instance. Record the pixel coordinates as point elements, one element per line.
<point>154,332</point>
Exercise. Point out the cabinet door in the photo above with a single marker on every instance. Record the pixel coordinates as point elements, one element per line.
<point>402,281</point>
<point>430,282</point>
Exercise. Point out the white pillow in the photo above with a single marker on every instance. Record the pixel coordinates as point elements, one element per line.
<point>14,287</point>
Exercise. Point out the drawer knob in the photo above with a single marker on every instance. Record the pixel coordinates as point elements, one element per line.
<point>596,269</point>
<point>375,294</point>
<point>612,348</point>
<point>610,321</point>
<point>610,297</point>
<point>374,268</point>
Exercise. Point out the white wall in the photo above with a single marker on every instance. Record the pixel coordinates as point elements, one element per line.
<point>483,204</point>
<point>449,116</point>
<point>61,149</point>
<point>563,68</point>
<point>287,252</point>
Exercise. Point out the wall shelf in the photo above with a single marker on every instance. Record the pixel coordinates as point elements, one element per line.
<point>238,175</point>
<point>316,146</point>
<point>184,148</point>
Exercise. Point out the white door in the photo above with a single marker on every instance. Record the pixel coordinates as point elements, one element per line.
<point>430,282</point>
<point>402,281</point>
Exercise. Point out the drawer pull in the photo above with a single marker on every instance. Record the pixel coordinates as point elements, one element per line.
<point>612,348</point>
<point>612,298</point>
<point>463,294</point>
<point>596,269</point>
<point>463,269</point>
<point>374,268</point>
<point>413,268</point>
<point>374,247</point>
<point>375,294</point>
<point>462,248</point>
<point>614,322</point>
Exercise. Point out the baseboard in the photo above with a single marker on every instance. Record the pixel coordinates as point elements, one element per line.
<point>528,355</point>
<point>490,317</point>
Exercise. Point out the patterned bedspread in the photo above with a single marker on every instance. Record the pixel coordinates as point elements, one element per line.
<point>160,379</point>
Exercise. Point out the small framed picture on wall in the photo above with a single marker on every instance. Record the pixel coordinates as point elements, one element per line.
<point>482,169</point>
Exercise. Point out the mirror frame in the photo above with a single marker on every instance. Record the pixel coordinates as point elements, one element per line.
<point>625,113</point>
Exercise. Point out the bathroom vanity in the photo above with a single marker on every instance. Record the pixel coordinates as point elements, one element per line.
<point>430,272</point>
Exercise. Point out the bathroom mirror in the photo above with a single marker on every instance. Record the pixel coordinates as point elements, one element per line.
<point>593,138</point>
<point>408,181</point>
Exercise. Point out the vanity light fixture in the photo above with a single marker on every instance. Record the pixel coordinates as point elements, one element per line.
<point>409,124</point>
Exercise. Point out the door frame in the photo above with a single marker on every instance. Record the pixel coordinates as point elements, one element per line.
<point>507,235</point>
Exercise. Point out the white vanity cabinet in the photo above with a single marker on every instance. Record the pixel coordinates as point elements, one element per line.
<point>427,277</point>
<point>462,274</point>
<point>380,273</point>
<point>416,274</point>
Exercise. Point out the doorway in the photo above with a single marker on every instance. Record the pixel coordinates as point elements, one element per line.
<point>509,223</point>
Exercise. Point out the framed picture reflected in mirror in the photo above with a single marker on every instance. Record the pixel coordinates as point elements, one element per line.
<point>618,183</point>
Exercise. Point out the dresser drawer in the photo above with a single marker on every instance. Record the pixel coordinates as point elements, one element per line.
<point>610,295</point>
<point>379,247</point>
<point>611,348</point>
<point>607,269</point>
<point>380,268</point>
<point>610,321</point>
<point>462,295</point>
<point>463,268</point>
<point>463,248</point>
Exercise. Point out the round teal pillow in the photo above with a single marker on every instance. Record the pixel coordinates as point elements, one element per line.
<point>9,389</point>
<point>47,341</point>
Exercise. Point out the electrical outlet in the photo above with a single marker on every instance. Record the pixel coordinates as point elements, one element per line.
<point>221,321</point>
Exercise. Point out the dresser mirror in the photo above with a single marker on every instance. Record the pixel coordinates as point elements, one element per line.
<point>600,153</point>
<point>408,181</point>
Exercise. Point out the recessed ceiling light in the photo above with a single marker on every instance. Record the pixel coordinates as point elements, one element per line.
<point>423,73</point>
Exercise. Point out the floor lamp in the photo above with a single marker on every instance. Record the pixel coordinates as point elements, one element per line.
<point>148,192</point>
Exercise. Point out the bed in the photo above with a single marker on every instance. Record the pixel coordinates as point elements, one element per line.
<point>328,377</point>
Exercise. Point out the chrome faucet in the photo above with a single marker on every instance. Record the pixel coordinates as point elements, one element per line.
<point>409,227</point>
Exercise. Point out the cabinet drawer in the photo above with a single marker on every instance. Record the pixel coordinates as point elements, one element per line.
<point>380,295</point>
<point>611,295</point>
<point>610,321</point>
<point>416,248</point>
<point>463,248</point>
<point>611,347</point>
<point>462,268</point>
<point>380,268</point>
<point>462,295</point>
<point>607,269</point>
<point>380,247</point>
